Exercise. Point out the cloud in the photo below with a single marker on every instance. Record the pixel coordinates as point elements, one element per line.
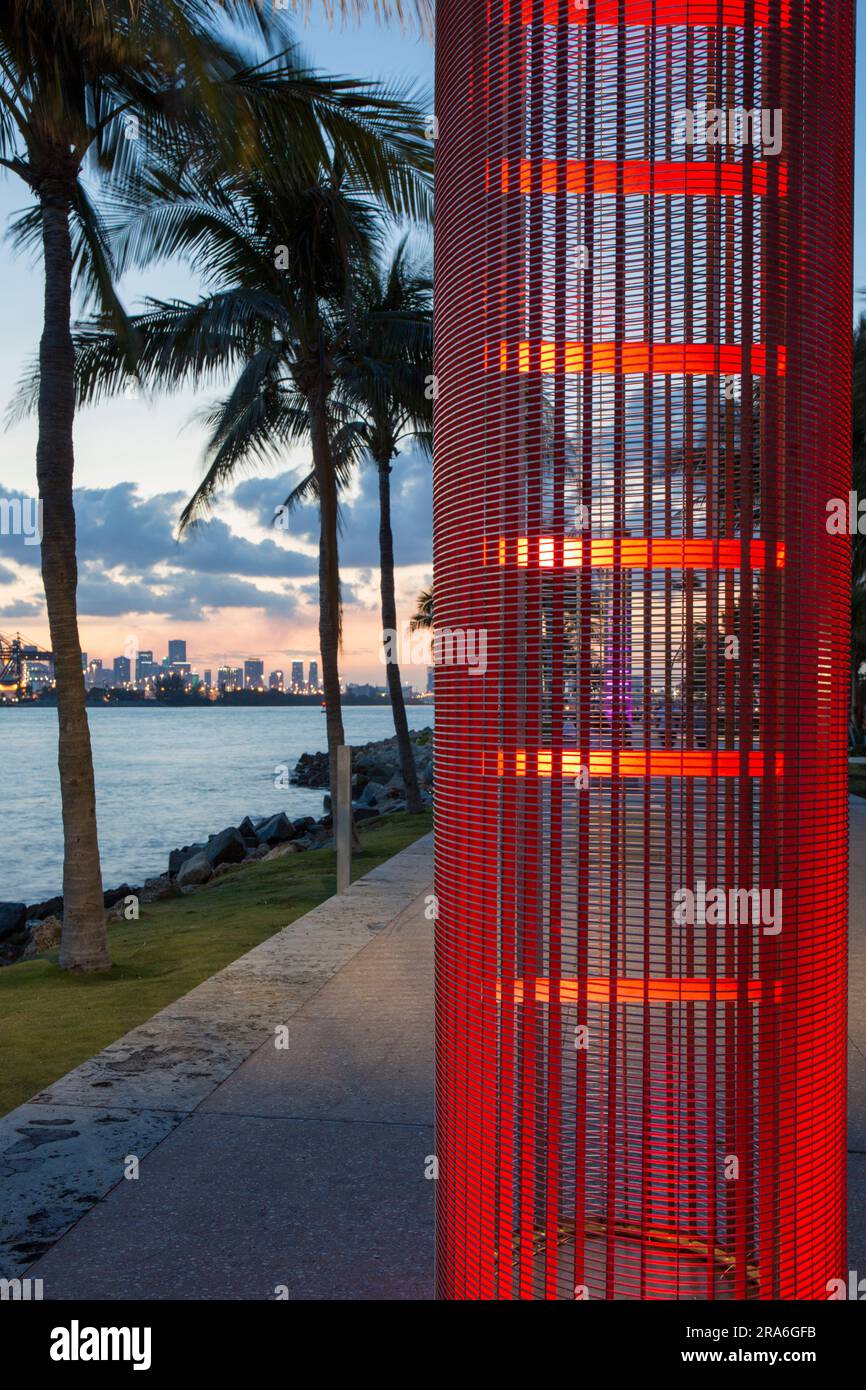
<point>211,547</point>
<point>117,527</point>
<point>349,595</point>
<point>27,608</point>
<point>181,597</point>
<point>411,512</point>
<point>130,561</point>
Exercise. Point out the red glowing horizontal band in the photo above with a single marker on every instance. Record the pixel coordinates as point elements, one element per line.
<point>659,12</point>
<point>667,359</point>
<point>598,989</point>
<point>572,552</point>
<point>654,762</point>
<point>701,179</point>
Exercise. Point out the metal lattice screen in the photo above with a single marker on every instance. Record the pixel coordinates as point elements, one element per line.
<point>643,372</point>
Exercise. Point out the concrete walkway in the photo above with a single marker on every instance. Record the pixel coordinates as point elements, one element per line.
<point>263,1169</point>
<point>270,1171</point>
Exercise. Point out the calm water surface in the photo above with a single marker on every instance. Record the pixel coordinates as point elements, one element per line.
<point>164,777</point>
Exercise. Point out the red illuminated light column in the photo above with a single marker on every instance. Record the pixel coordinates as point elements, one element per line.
<point>643,363</point>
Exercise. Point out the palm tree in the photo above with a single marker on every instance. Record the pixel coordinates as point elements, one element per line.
<point>76,80</point>
<point>422,620</point>
<point>387,383</point>
<point>284,253</point>
<point>381,387</point>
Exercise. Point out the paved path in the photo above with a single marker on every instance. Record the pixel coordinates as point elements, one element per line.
<point>297,1171</point>
<point>259,1166</point>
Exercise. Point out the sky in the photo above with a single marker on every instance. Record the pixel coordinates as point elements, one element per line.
<point>237,588</point>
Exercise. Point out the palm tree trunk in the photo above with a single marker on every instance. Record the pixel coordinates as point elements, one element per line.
<point>408,770</point>
<point>329,585</point>
<point>84,946</point>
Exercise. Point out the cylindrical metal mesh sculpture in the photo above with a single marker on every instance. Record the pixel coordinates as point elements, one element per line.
<point>643,370</point>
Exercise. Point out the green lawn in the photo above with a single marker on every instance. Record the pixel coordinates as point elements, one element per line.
<point>51,1021</point>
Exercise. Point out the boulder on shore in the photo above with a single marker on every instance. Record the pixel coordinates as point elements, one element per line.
<point>247,829</point>
<point>13,917</point>
<point>276,829</point>
<point>373,762</point>
<point>222,869</point>
<point>373,792</point>
<point>155,888</point>
<point>287,847</point>
<point>178,857</point>
<point>115,895</point>
<point>311,770</point>
<point>194,871</point>
<point>45,934</point>
<point>52,907</point>
<point>227,847</point>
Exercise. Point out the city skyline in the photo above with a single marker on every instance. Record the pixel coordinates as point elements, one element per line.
<point>138,665</point>
<point>137,670</point>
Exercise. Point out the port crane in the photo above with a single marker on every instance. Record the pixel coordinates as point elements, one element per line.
<point>15,652</point>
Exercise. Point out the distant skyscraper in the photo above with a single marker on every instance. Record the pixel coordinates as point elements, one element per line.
<point>297,675</point>
<point>431,673</point>
<point>84,661</point>
<point>94,675</point>
<point>122,672</point>
<point>277,680</point>
<point>314,675</point>
<point>144,664</point>
<point>176,650</point>
<point>254,674</point>
<point>208,678</point>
